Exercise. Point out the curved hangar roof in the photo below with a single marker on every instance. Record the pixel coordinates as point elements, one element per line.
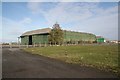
<point>43,31</point>
<point>38,31</point>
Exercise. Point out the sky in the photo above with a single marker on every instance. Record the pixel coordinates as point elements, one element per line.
<point>99,18</point>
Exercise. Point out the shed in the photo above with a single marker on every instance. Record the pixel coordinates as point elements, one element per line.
<point>100,39</point>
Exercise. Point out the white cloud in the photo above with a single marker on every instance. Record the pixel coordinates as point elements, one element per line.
<point>68,12</point>
<point>0,28</point>
<point>104,12</point>
<point>87,17</point>
<point>63,12</point>
<point>12,29</point>
<point>26,21</point>
<point>34,7</point>
<point>72,0</point>
<point>60,0</point>
<point>106,26</point>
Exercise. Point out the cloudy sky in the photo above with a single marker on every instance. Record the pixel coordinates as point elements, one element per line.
<point>99,18</point>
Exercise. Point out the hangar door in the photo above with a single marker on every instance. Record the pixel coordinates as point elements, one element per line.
<point>30,40</point>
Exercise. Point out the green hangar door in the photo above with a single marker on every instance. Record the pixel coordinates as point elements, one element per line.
<point>30,40</point>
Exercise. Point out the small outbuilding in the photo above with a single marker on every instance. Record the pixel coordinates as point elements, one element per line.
<point>100,39</point>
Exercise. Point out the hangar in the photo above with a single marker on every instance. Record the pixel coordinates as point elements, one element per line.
<point>40,36</point>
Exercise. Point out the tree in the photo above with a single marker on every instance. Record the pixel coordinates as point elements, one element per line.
<point>56,35</point>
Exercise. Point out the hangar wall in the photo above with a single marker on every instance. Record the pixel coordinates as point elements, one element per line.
<point>68,36</point>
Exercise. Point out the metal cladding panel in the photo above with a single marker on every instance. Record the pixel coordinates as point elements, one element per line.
<point>24,40</point>
<point>77,36</point>
<point>40,39</point>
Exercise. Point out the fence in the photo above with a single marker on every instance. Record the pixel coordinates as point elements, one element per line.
<point>34,45</point>
<point>20,46</point>
<point>45,45</point>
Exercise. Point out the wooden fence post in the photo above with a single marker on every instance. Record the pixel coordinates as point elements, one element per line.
<point>55,43</point>
<point>40,44</point>
<point>27,45</point>
<point>10,46</point>
<point>0,45</point>
<point>34,44</point>
<point>19,45</point>
<point>50,43</point>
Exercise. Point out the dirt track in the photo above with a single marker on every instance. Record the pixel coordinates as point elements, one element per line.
<point>19,64</point>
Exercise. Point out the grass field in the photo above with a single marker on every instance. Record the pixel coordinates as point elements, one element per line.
<point>101,56</point>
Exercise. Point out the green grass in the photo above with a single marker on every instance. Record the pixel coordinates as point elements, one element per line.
<point>100,56</point>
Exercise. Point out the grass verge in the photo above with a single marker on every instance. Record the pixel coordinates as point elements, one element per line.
<point>104,57</point>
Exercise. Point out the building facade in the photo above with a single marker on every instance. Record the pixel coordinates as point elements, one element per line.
<point>100,39</point>
<point>40,36</point>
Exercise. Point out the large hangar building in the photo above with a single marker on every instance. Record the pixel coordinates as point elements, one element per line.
<point>40,36</point>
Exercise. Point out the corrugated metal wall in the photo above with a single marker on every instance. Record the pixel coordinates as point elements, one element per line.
<point>68,36</point>
<point>24,40</point>
<point>40,39</point>
<point>77,36</point>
